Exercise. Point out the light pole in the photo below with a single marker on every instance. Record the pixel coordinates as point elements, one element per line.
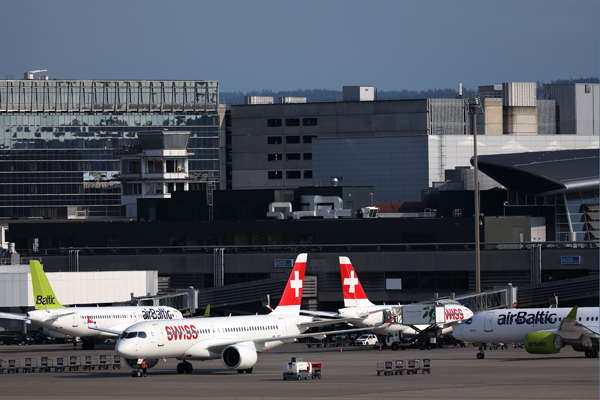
<point>473,106</point>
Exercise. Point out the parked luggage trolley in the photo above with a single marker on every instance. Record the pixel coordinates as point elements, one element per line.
<point>116,364</point>
<point>13,366</point>
<point>60,364</point>
<point>74,363</point>
<point>30,365</point>
<point>46,364</point>
<point>103,362</point>
<point>386,367</point>
<point>413,367</point>
<point>426,366</point>
<point>90,362</point>
<point>399,367</point>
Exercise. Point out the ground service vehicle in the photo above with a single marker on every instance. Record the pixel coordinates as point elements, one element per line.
<point>297,369</point>
<point>40,337</point>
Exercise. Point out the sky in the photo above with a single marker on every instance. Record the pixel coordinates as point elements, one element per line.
<point>288,45</point>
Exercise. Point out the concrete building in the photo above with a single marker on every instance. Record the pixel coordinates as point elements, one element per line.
<point>58,137</point>
<point>578,105</point>
<point>155,168</point>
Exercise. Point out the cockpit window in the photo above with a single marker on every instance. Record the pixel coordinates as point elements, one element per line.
<point>469,321</point>
<point>123,335</point>
<point>131,335</point>
<point>142,334</point>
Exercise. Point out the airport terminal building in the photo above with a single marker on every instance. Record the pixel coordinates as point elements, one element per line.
<point>58,137</point>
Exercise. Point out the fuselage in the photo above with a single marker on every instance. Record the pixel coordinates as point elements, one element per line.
<point>513,325</point>
<point>73,321</point>
<point>372,316</point>
<point>205,338</point>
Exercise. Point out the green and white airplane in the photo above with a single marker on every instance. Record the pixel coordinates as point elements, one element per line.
<point>73,321</point>
<point>542,330</point>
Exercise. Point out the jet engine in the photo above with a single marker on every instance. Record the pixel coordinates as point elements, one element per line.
<point>543,343</point>
<point>239,357</point>
<point>132,362</point>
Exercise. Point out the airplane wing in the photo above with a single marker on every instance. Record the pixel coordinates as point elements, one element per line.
<point>217,345</point>
<point>570,328</point>
<point>20,317</point>
<point>323,322</point>
<point>323,314</point>
<point>117,332</point>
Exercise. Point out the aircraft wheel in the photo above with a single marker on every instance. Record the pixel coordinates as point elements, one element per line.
<point>480,356</point>
<point>133,374</point>
<point>188,368</point>
<point>241,371</point>
<point>249,370</point>
<point>180,368</point>
<point>590,353</point>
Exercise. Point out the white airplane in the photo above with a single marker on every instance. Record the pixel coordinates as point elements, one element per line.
<point>235,340</point>
<point>543,330</point>
<point>73,321</point>
<point>383,319</point>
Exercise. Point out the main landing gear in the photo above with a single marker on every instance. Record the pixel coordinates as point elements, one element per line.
<point>591,353</point>
<point>248,371</point>
<point>184,367</point>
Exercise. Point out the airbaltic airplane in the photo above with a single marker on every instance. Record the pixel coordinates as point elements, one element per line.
<point>383,319</point>
<point>73,321</point>
<point>543,330</point>
<point>235,340</point>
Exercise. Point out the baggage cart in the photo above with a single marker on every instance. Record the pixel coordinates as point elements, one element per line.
<point>74,363</point>
<point>103,362</point>
<point>298,369</point>
<point>30,365</point>
<point>90,362</point>
<point>426,366</point>
<point>46,364</point>
<point>60,364</point>
<point>316,371</point>
<point>399,367</point>
<point>13,366</point>
<point>386,368</point>
<point>413,367</point>
<point>116,364</point>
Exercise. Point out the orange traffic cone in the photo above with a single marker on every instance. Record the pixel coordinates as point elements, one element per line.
<point>340,350</point>
<point>380,347</point>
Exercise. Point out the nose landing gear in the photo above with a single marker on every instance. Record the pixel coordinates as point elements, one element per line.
<point>184,367</point>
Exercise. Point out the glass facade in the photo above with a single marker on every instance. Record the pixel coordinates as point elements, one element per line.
<point>57,139</point>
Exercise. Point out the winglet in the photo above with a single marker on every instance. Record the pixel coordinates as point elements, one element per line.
<point>572,314</point>
<point>43,295</point>
<point>354,295</point>
<point>292,295</point>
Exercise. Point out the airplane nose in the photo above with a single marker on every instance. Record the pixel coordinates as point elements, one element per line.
<point>126,348</point>
<point>459,332</point>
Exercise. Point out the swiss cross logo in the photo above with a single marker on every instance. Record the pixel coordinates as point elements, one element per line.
<point>296,284</point>
<point>351,282</point>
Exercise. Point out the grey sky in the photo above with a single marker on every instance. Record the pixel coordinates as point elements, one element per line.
<point>280,45</point>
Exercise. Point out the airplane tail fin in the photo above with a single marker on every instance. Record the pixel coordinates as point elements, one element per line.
<point>43,295</point>
<point>292,295</point>
<point>207,311</point>
<point>354,295</point>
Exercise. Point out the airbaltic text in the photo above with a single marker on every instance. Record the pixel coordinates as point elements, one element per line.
<point>522,317</point>
<point>159,313</point>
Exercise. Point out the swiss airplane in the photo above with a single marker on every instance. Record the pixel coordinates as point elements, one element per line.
<point>73,321</point>
<point>235,340</point>
<point>542,330</point>
<point>383,319</point>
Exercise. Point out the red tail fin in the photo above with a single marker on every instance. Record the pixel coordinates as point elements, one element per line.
<point>292,295</point>
<point>354,295</point>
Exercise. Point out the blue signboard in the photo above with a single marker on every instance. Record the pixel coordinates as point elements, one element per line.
<point>284,263</point>
<point>570,259</point>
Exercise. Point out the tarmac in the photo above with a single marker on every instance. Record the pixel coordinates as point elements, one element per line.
<point>348,373</point>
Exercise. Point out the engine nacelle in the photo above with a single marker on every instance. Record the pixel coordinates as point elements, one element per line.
<point>132,362</point>
<point>543,343</point>
<point>239,357</point>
